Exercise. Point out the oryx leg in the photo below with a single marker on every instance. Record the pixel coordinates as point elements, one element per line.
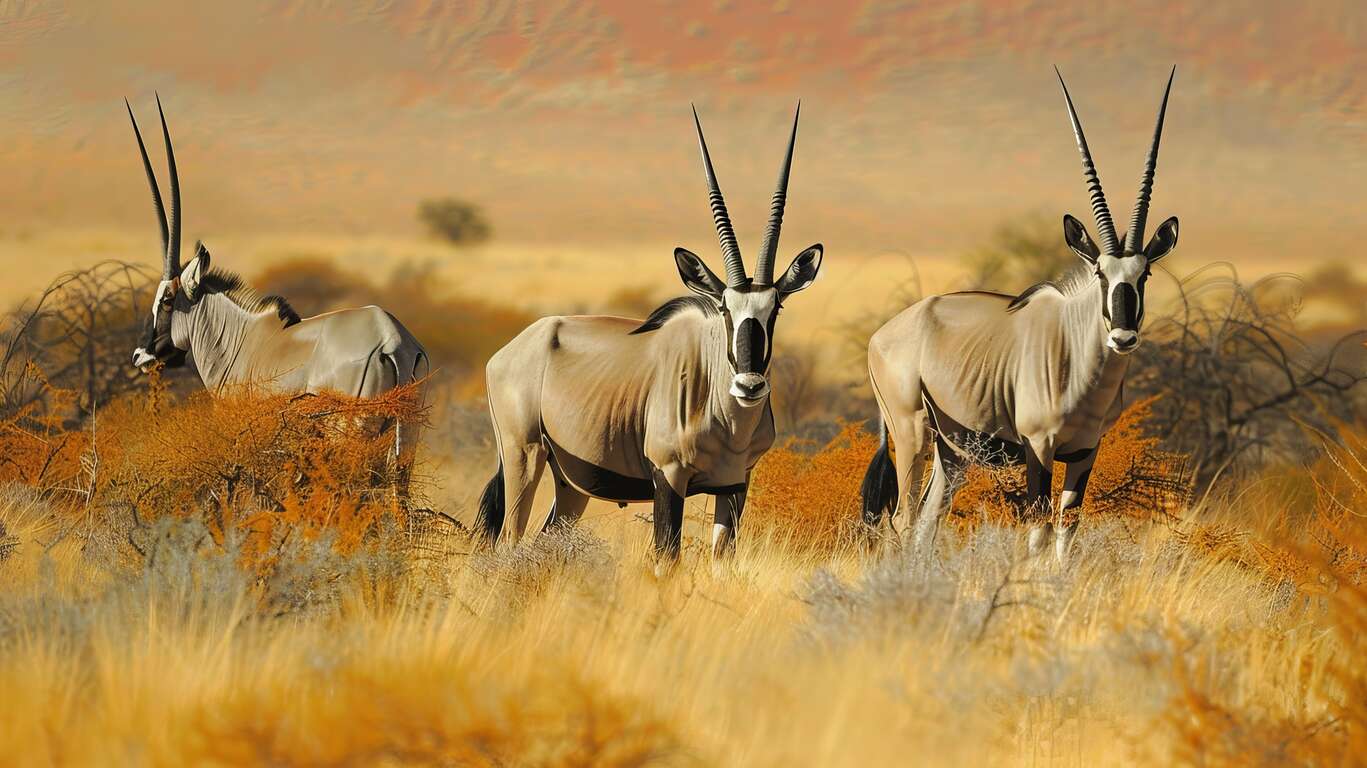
<point>726,512</point>
<point>522,466</point>
<point>1039,482</point>
<point>513,378</point>
<point>909,442</point>
<point>945,472</point>
<point>896,381</point>
<point>568,506</point>
<point>405,452</point>
<point>668,517</point>
<point>1075,477</point>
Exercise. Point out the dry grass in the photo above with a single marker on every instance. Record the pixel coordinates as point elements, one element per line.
<point>389,643</point>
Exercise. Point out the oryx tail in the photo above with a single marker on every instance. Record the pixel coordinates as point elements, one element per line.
<point>878,493</point>
<point>491,506</point>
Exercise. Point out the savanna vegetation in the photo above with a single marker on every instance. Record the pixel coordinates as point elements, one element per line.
<point>186,580</point>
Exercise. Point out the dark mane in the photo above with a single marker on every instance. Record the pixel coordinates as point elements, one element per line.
<point>1024,297</point>
<point>1073,280</point>
<point>673,307</point>
<point>232,286</point>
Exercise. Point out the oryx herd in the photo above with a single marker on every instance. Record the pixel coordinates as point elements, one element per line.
<point>678,404</point>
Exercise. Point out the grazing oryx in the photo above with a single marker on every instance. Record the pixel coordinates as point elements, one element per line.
<point>1035,378</point>
<point>236,337</point>
<point>632,411</point>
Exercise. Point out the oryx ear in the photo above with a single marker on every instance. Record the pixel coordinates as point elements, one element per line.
<point>696,276</point>
<point>801,272</point>
<point>1075,235</point>
<point>194,272</point>
<point>1163,241</point>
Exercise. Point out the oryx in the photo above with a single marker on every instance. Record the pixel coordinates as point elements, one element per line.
<point>630,411</point>
<point>1035,378</point>
<point>236,337</point>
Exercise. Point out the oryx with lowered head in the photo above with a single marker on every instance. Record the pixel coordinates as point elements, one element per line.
<point>1035,378</point>
<point>236,337</point>
<point>654,410</point>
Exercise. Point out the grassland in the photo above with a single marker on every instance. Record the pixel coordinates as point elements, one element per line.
<point>187,581</point>
<point>1227,634</point>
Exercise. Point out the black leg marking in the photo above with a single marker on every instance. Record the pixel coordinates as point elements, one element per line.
<point>1075,456</point>
<point>728,509</point>
<point>1039,484</point>
<point>668,518</point>
<point>1079,489</point>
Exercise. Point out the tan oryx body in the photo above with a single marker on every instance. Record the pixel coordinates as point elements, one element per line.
<point>236,338</point>
<point>1032,379</point>
<point>654,410</point>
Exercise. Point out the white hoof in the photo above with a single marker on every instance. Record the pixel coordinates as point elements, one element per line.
<point>664,567</point>
<point>1038,539</point>
<point>1063,543</point>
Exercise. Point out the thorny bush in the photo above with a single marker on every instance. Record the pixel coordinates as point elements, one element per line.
<point>262,467</point>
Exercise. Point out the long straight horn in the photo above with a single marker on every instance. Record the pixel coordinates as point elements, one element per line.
<point>764,268</point>
<point>173,221</point>
<point>1110,244</point>
<point>156,193</point>
<point>726,235</point>
<point>1134,240</point>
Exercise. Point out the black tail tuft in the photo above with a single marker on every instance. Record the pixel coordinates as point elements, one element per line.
<point>491,506</point>
<point>879,490</point>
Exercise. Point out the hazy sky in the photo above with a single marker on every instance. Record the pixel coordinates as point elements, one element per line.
<point>923,124</point>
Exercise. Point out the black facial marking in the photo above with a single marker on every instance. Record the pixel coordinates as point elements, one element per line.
<point>156,335</point>
<point>1105,295</point>
<point>1139,318</point>
<point>730,337</point>
<point>1125,308</point>
<point>750,339</point>
<point>769,339</point>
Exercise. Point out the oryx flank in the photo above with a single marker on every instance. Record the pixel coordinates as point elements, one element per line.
<point>1035,378</point>
<point>235,337</point>
<point>630,410</point>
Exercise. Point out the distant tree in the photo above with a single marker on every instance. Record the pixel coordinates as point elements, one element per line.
<point>455,221</point>
<point>1019,254</point>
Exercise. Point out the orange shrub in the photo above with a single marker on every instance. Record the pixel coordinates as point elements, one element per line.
<point>1132,477</point>
<point>260,467</point>
<point>36,449</point>
<point>811,499</point>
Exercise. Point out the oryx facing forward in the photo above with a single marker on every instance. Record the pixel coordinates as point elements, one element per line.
<point>1036,378</point>
<point>235,337</point>
<point>632,411</point>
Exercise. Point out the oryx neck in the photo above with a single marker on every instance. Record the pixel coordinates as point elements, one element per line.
<point>217,328</point>
<point>1084,335</point>
<point>715,355</point>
